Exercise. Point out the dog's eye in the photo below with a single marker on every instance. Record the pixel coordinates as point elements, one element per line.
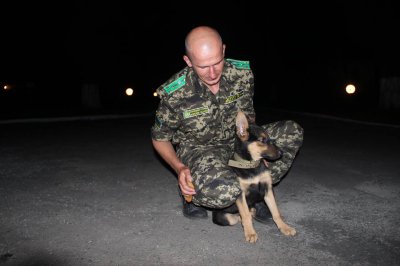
<point>263,140</point>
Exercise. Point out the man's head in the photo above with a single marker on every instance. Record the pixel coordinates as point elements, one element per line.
<point>205,53</point>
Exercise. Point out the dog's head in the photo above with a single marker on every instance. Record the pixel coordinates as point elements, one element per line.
<point>252,142</point>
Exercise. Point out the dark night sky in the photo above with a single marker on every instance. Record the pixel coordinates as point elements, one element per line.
<point>296,48</point>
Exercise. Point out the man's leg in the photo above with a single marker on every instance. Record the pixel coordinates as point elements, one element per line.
<point>215,182</point>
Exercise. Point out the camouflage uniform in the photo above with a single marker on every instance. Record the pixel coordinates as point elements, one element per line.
<point>201,126</point>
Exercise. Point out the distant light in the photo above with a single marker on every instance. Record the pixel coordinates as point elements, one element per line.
<point>6,87</point>
<point>129,91</point>
<point>350,89</point>
<point>155,94</point>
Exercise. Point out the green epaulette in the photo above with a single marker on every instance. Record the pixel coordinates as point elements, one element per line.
<point>175,85</point>
<point>239,63</point>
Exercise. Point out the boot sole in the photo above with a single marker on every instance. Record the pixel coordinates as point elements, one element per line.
<point>195,217</point>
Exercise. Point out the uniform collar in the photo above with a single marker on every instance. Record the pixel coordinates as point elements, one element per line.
<point>200,88</point>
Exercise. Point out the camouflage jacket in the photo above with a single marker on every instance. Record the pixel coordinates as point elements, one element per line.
<point>190,115</point>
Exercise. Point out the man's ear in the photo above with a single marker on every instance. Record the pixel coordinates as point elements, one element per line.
<point>242,126</point>
<point>187,60</point>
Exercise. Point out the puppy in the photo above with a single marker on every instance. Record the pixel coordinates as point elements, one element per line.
<point>253,149</point>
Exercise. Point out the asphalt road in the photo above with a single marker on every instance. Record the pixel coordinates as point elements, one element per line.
<point>93,192</point>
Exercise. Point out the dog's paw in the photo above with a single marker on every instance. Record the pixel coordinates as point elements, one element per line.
<point>251,237</point>
<point>288,231</point>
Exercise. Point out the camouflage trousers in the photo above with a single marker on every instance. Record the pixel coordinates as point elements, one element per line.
<point>216,183</point>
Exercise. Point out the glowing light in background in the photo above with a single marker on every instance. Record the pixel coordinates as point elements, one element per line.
<point>129,91</point>
<point>350,89</point>
<point>155,94</point>
<point>6,87</point>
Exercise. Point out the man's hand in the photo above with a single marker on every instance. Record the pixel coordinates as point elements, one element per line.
<point>185,182</point>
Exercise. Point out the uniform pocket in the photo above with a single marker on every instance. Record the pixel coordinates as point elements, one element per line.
<point>198,124</point>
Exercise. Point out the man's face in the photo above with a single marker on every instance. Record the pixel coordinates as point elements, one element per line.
<point>208,66</point>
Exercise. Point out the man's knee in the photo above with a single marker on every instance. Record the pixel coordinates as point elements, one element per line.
<point>294,129</point>
<point>291,137</point>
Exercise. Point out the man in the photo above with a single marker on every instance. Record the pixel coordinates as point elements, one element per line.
<point>194,128</point>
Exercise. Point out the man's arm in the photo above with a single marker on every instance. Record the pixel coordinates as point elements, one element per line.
<point>167,152</point>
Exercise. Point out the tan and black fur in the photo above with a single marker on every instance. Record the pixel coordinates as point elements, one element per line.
<point>252,145</point>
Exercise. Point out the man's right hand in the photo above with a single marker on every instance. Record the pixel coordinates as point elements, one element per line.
<point>184,178</point>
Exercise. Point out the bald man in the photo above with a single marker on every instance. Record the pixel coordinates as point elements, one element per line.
<point>194,128</point>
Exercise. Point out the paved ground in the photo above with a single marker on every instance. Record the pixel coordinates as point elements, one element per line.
<point>94,193</point>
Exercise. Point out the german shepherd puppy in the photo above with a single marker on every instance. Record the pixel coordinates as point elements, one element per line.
<point>252,149</point>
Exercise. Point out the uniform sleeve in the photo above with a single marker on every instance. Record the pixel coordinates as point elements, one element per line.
<point>165,123</point>
<point>248,103</point>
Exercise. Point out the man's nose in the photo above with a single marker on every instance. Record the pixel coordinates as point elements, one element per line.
<point>213,73</point>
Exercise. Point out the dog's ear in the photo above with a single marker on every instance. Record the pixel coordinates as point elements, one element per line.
<point>242,125</point>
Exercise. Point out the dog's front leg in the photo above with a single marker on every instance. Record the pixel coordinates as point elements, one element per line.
<point>271,203</point>
<point>249,232</point>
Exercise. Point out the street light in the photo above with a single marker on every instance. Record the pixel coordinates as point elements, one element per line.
<point>350,89</point>
<point>129,91</point>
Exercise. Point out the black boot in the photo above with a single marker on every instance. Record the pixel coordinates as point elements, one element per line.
<point>263,215</point>
<point>192,211</point>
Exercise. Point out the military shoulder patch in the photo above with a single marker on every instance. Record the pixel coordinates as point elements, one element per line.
<point>239,64</point>
<point>175,85</point>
